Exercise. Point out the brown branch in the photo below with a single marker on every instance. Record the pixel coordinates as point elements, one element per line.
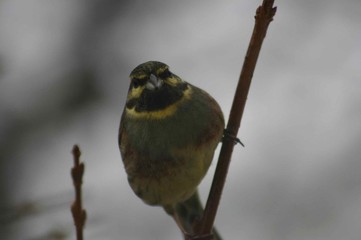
<point>264,15</point>
<point>79,214</point>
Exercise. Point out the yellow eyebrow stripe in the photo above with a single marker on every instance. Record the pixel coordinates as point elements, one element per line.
<point>140,76</point>
<point>160,70</point>
<point>160,114</point>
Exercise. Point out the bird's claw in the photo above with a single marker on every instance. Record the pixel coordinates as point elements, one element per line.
<point>227,134</point>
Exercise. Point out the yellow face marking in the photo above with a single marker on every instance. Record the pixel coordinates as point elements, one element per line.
<point>135,92</point>
<point>172,81</point>
<point>162,69</point>
<point>140,76</point>
<point>164,113</point>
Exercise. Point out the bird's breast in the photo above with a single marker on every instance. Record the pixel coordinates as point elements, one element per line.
<point>166,158</point>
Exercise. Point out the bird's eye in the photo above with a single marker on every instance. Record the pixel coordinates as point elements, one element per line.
<point>136,83</point>
<point>165,74</point>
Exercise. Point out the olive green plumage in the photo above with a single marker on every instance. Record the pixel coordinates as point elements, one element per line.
<point>168,133</point>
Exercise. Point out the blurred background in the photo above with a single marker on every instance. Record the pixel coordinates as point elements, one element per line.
<point>64,69</point>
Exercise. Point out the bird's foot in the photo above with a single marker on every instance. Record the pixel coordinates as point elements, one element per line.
<point>229,136</point>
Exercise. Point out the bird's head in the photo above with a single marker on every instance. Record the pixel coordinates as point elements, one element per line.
<point>153,89</point>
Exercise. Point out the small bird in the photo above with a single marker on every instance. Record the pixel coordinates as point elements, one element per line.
<point>168,133</point>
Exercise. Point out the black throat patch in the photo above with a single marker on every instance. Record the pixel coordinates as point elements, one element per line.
<point>157,99</point>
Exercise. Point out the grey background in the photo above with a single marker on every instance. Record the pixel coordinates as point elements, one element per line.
<point>64,69</point>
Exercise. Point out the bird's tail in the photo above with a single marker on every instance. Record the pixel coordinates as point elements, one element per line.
<point>190,211</point>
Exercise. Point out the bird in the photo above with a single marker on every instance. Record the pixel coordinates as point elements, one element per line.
<point>168,134</point>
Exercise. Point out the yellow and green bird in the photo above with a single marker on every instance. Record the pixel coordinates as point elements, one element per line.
<point>168,133</point>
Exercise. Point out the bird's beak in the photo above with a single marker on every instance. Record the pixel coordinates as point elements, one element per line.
<point>154,82</point>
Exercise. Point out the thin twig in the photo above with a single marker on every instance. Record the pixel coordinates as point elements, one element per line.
<point>79,214</point>
<point>264,15</point>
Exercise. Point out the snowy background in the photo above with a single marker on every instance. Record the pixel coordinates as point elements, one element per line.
<point>64,69</point>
